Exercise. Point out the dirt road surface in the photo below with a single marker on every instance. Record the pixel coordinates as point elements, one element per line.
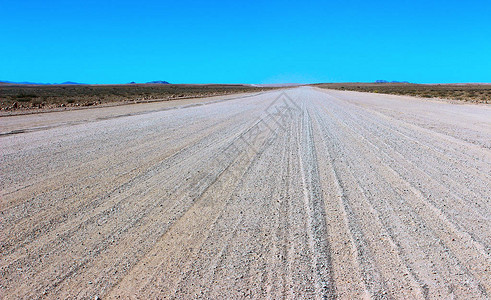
<point>296,193</point>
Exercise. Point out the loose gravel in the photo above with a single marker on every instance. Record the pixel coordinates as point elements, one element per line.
<point>298,193</point>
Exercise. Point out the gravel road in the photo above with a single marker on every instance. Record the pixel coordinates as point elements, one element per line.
<point>296,193</point>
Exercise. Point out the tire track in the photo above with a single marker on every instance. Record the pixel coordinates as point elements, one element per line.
<point>409,165</point>
<point>466,242</point>
<point>341,195</point>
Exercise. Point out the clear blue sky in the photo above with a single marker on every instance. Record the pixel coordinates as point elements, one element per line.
<point>184,41</point>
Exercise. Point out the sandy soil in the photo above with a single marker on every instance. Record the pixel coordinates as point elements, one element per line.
<point>302,193</point>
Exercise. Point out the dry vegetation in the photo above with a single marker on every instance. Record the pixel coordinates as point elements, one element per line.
<point>464,92</point>
<point>16,97</point>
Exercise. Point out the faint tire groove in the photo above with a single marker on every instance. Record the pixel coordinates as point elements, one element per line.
<point>387,242</point>
<point>467,242</point>
<point>315,219</point>
<point>429,177</point>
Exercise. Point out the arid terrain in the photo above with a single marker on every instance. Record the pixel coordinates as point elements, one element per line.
<point>469,92</point>
<point>300,193</point>
<point>28,98</point>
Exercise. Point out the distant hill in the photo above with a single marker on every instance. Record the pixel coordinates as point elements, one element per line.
<point>158,82</point>
<point>386,81</point>
<point>38,83</point>
<point>23,82</point>
<point>6,82</point>
<point>69,82</point>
